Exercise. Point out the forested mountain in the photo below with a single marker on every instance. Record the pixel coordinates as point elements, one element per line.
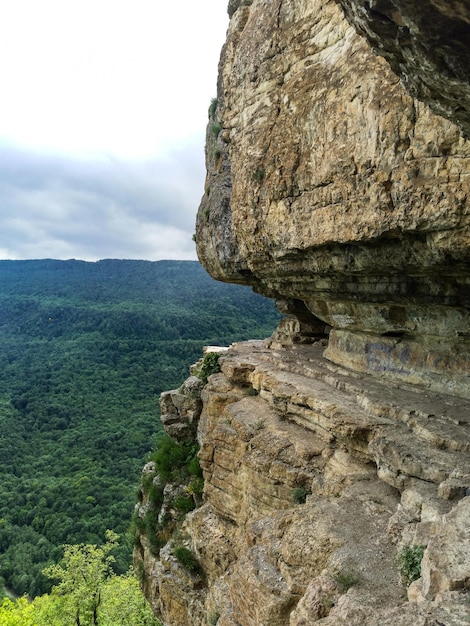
<point>85,350</point>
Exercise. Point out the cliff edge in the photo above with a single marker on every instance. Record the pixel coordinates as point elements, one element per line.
<point>328,498</point>
<point>334,484</point>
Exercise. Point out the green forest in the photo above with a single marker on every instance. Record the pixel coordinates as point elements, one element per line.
<point>85,351</point>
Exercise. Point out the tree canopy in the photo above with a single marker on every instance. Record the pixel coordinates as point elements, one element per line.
<point>85,351</point>
<point>87,593</point>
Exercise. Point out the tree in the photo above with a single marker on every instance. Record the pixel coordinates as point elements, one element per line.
<point>18,613</point>
<point>82,574</point>
<point>124,603</point>
<point>87,594</point>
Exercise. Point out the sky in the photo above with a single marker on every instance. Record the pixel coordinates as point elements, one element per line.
<point>103,111</point>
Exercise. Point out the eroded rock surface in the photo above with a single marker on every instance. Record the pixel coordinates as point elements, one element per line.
<point>336,454</point>
<point>329,186</point>
<point>427,43</point>
<point>316,480</point>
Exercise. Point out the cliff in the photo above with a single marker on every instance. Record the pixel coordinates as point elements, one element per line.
<point>335,454</point>
<point>322,487</point>
<point>330,189</point>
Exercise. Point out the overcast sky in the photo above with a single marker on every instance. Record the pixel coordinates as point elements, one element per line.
<point>103,110</point>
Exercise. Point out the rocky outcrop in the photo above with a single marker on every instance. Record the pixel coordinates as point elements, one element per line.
<point>330,187</point>
<point>317,481</point>
<point>181,408</point>
<point>335,455</point>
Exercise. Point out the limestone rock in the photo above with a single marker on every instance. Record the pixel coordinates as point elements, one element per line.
<point>343,441</point>
<point>179,591</point>
<point>445,565</point>
<point>181,408</point>
<point>334,191</point>
<point>427,43</point>
<point>316,477</point>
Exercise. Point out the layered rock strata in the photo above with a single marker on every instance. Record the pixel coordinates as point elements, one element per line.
<point>331,188</point>
<point>336,454</point>
<point>317,479</point>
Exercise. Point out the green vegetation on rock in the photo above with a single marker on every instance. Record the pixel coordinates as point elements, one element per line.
<point>175,464</point>
<point>209,365</point>
<point>188,560</point>
<point>213,107</point>
<point>299,495</point>
<point>409,561</point>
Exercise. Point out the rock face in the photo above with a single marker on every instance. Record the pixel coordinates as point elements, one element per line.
<point>427,44</point>
<point>330,187</point>
<point>335,455</point>
<point>317,481</point>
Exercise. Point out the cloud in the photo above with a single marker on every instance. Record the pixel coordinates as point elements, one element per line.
<point>113,75</point>
<point>102,121</point>
<point>61,207</point>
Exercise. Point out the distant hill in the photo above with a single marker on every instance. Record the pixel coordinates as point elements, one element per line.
<point>85,351</point>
